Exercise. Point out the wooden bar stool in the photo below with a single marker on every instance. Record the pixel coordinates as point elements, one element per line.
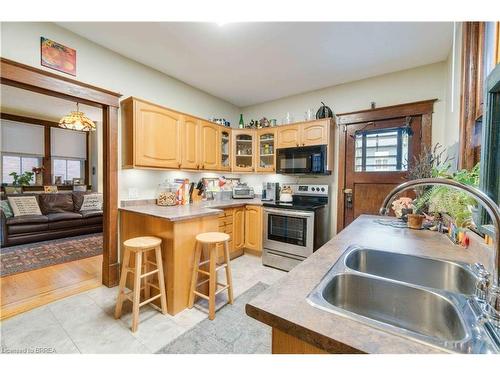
<point>209,241</point>
<point>141,246</point>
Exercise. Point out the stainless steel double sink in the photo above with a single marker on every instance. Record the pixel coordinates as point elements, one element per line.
<point>426,299</point>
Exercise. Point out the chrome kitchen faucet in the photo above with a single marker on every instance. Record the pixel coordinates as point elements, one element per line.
<point>488,296</point>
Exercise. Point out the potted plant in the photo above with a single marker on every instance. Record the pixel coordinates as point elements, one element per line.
<point>416,219</point>
<point>402,207</point>
<point>22,179</point>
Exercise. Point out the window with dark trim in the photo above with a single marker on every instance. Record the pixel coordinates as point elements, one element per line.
<point>384,150</point>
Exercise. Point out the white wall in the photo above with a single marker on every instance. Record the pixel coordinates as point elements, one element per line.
<point>20,41</point>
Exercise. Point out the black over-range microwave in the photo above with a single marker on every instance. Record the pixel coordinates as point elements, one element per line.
<point>302,160</point>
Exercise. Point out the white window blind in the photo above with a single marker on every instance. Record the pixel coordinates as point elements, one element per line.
<point>19,138</point>
<point>68,144</point>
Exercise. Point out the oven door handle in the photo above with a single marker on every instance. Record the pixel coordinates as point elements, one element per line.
<point>287,212</point>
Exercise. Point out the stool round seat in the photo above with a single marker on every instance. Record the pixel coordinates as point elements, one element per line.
<point>212,237</point>
<point>146,242</point>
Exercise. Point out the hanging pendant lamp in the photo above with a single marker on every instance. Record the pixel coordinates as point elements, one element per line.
<point>77,120</point>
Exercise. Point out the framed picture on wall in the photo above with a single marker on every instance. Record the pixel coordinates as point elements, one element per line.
<point>57,56</point>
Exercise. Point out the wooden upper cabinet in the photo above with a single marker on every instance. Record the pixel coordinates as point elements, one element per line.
<point>225,148</point>
<point>288,136</point>
<point>210,145</point>
<point>265,150</point>
<point>244,150</point>
<point>239,228</point>
<point>314,133</point>
<point>190,143</point>
<point>157,136</point>
<point>253,228</point>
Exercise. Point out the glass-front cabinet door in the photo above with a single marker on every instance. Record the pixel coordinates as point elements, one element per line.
<point>243,160</point>
<point>266,150</point>
<point>225,149</point>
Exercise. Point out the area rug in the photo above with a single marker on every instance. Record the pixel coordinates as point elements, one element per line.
<point>231,332</point>
<point>22,258</point>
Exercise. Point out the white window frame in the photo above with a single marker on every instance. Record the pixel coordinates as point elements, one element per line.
<point>82,167</point>
<point>21,156</point>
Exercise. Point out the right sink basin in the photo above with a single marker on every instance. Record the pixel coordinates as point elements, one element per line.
<point>427,272</point>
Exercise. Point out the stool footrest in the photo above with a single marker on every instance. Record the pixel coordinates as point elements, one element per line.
<point>201,295</point>
<point>204,272</point>
<point>222,289</point>
<point>149,300</point>
<point>149,273</point>
<point>153,285</point>
<point>216,269</point>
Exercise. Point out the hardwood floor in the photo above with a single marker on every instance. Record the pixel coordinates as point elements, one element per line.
<point>27,290</point>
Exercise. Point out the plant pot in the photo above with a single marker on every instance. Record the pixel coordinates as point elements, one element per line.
<point>404,213</point>
<point>415,221</point>
<point>39,179</point>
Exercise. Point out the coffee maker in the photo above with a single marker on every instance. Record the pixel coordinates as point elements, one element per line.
<point>270,191</point>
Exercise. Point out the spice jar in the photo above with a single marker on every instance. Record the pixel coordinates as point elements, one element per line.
<point>166,194</point>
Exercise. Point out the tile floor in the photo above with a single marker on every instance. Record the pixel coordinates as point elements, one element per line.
<point>84,323</point>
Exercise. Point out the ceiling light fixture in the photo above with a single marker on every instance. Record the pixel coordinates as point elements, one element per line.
<point>77,120</point>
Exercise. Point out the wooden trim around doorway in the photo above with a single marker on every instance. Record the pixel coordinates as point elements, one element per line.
<point>15,74</point>
<point>422,108</point>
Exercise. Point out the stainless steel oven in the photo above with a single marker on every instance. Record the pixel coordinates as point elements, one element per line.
<point>294,230</point>
<point>289,231</point>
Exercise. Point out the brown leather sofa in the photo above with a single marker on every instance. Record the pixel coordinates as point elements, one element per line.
<point>61,217</point>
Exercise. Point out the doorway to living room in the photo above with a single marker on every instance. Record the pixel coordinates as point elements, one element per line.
<point>68,177</point>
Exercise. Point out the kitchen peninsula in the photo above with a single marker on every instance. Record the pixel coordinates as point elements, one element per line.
<point>300,328</point>
<point>178,226</point>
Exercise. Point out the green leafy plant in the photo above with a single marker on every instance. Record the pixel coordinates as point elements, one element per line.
<point>22,179</point>
<point>431,162</point>
<point>455,203</point>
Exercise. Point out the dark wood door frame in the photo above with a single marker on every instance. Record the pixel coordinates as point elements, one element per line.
<point>29,78</point>
<point>422,108</point>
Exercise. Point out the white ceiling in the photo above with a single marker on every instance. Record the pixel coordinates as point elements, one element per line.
<point>250,63</point>
<point>22,102</point>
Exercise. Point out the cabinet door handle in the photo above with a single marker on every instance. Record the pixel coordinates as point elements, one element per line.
<point>180,165</point>
<point>203,166</point>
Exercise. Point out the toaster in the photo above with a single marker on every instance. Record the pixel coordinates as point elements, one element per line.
<point>243,191</point>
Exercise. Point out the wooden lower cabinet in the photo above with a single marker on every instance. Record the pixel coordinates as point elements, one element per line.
<point>253,228</point>
<point>244,227</point>
<point>283,343</point>
<point>226,225</point>
<point>239,228</point>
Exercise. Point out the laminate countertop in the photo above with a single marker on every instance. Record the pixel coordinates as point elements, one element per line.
<point>284,307</point>
<point>189,211</point>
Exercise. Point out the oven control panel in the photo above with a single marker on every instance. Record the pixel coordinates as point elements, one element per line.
<point>310,190</point>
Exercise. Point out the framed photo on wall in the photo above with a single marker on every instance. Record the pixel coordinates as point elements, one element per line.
<point>57,56</point>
